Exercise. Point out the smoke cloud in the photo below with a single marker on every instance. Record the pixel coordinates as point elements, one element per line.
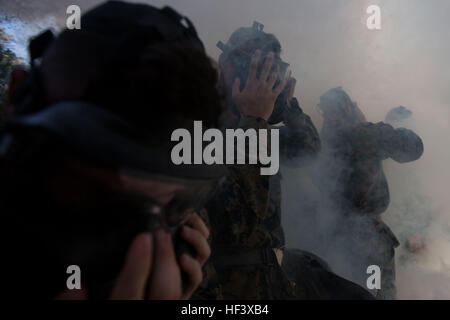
<point>328,44</point>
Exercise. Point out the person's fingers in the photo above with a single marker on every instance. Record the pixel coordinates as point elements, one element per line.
<point>197,223</point>
<point>291,91</point>
<point>253,66</point>
<point>273,77</point>
<point>193,270</point>
<point>278,89</point>
<point>198,241</point>
<point>133,277</point>
<point>235,91</point>
<point>165,279</point>
<point>267,67</point>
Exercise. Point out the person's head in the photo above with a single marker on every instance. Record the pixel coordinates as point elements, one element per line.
<point>336,106</point>
<point>85,162</point>
<point>236,54</point>
<point>128,59</point>
<point>235,58</point>
<point>60,209</point>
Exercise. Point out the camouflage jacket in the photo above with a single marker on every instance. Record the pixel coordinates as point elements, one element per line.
<point>209,288</point>
<point>351,166</point>
<point>246,213</point>
<point>351,175</point>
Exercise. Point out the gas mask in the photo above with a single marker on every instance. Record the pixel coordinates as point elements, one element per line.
<point>241,58</point>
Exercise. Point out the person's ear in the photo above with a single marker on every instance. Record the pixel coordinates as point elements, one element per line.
<point>17,77</point>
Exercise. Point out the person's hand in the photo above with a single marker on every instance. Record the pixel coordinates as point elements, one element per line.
<point>132,281</point>
<point>258,97</point>
<point>151,270</point>
<point>196,234</point>
<point>162,269</point>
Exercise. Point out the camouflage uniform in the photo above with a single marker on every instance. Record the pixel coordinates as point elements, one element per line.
<point>314,279</point>
<point>209,288</point>
<point>359,191</point>
<point>246,215</point>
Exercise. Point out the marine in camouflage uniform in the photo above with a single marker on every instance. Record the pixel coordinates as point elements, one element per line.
<point>351,174</point>
<point>246,234</point>
<point>246,215</point>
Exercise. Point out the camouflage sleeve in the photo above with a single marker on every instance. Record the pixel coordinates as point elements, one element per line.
<point>247,122</point>
<point>365,185</point>
<point>402,145</point>
<point>254,186</point>
<point>299,139</point>
<point>382,141</point>
<point>209,288</point>
<point>250,122</point>
<point>238,211</point>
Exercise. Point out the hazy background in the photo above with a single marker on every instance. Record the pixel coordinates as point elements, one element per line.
<point>328,44</point>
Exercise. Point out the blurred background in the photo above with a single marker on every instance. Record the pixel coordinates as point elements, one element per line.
<point>327,44</point>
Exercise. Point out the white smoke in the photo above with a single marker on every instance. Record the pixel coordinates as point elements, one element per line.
<point>327,44</point>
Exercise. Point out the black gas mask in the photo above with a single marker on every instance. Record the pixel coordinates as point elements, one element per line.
<point>241,61</point>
